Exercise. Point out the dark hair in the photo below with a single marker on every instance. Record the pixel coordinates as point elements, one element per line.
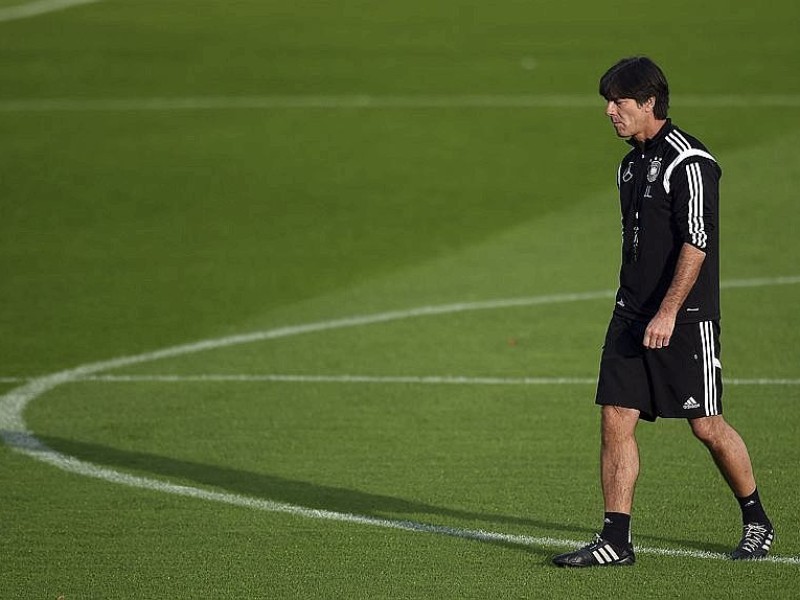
<point>639,78</point>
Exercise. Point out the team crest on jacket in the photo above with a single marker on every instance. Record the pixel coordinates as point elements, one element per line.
<point>654,169</point>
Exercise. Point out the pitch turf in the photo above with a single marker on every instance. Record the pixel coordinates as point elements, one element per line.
<point>380,452</point>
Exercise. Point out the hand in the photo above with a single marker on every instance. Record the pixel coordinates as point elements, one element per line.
<point>659,331</point>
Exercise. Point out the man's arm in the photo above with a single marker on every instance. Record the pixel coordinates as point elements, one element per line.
<point>659,330</point>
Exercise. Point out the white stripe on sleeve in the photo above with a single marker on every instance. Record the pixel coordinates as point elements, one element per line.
<point>697,229</point>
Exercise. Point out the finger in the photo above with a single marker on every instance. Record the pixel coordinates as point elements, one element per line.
<point>654,341</point>
<point>661,342</point>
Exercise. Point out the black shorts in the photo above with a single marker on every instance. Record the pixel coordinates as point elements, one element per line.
<point>683,380</point>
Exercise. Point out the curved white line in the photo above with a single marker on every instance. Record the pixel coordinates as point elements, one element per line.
<point>13,403</point>
<point>32,9</point>
<point>16,435</point>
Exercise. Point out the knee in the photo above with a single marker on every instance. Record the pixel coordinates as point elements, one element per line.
<point>618,423</point>
<point>708,430</point>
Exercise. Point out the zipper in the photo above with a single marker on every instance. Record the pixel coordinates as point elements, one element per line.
<point>637,206</point>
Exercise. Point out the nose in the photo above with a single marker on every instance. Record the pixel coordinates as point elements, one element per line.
<point>610,108</point>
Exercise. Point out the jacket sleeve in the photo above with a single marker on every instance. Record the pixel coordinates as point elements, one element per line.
<point>694,188</point>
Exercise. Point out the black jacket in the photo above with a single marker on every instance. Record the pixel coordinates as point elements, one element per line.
<point>669,195</point>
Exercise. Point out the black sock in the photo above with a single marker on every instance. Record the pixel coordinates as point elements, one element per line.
<point>617,528</point>
<point>752,510</point>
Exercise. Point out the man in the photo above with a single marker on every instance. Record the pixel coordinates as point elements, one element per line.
<point>661,353</point>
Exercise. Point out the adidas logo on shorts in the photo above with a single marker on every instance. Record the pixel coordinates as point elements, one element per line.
<point>690,404</point>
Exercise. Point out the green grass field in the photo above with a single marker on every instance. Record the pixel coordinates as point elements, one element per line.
<point>306,299</point>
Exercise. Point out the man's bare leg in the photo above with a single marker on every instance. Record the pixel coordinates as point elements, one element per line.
<point>729,452</point>
<point>619,469</point>
<point>733,460</point>
<point>619,458</point>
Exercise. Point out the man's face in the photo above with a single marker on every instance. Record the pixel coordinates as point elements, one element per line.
<point>629,118</point>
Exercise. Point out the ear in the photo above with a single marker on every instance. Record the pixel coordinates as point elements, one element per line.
<point>650,104</point>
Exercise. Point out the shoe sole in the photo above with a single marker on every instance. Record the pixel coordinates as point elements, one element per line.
<point>623,563</point>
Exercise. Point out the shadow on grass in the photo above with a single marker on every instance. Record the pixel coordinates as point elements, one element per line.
<point>323,497</point>
<point>301,493</point>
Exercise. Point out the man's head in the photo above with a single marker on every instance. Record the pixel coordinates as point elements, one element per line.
<point>637,94</point>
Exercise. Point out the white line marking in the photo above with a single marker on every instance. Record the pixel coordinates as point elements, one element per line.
<point>759,282</point>
<point>488,101</point>
<point>90,470</point>
<point>32,9</point>
<point>16,435</point>
<point>380,379</point>
<point>762,381</point>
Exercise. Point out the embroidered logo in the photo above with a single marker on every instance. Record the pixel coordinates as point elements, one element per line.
<point>690,404</point>
<point>628,174</point>
<point>654,169</point>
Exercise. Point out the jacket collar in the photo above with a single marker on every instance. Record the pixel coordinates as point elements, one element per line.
<point>656,139</point>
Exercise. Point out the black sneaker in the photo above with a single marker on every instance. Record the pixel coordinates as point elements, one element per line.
<point>599,553</point>
<point>755,543</point>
